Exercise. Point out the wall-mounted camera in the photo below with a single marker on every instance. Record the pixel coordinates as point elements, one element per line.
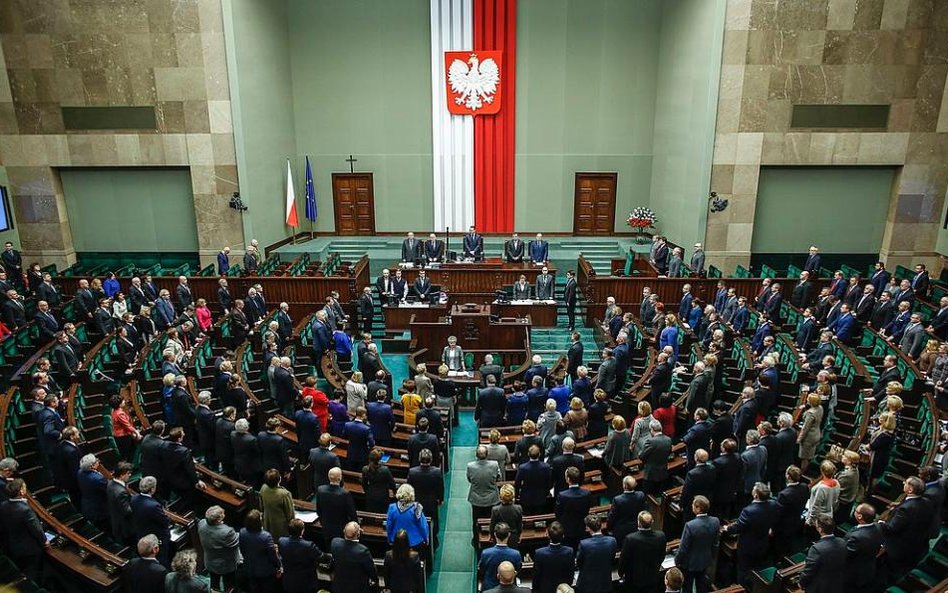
<point>718,204</point>
<point>236,203</point>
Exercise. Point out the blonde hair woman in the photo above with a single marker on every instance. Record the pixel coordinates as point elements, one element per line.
<point>810,434</point>
<point>576,419</point>
<point>880,447</point>
<point>547,422</point>
<point>640,429</point>
<point>407,514</point>
<point>509,513</point>
<point>824,496</point>
<point>848,479</point>
<point>618,444</point>
<point>183,576</point>
<point>356,392</point>
<point>497,451</point>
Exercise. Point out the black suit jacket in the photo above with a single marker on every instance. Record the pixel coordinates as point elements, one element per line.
<point>552,565</point>
<point>624,513</point>
<point>274,452</point>
<point>825,566</point>
<point>142,575</point>
<point>698,481</point>
<point>299,557</point>
<point>179,467</point>
<point>206,421</point>
<point>322,461</point>
<point>641,559</point>
<point>411,250</point>
<point>421,441</point>
<point>572,506</point>
<point>152,456</point>
<point>67,361</point>
<point>66,466</point>
<point>48,326</point>
<point>335,507</point>
<point>906,532</point>
<point>800,297</point>
<point>569,293</point>
<point>699,543</point>
<point>148,516</point>
<point>428,482</point>
<point>119,501</point>
<point>354,568</point>
<point>25,537</point>
<point>862,547</point>
<point>560,464</point>
<point>533,482</point>
<point>223,447</point>
<point>574,358</point>
<point>246,454</point>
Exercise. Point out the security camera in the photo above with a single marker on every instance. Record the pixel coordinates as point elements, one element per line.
<point>718,204</point>
<point>236,203</point>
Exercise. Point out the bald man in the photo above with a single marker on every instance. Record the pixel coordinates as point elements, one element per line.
<point>354,568</point>
<point>507,576</point>
<point>335,507</point>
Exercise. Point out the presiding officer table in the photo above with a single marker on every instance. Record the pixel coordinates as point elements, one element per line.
<point>475,330</point>
<point>475,279</point>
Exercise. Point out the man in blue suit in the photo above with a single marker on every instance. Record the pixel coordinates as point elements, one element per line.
<point>473,245</point>
<point>594,558</point>
<point>753,528</point>
<point>684,307</point>
<point>307,427</point>
<point>741,316</point>
<point>165,310</point>
<point>553,564</point>
<point>533,482</point>
<point>93,486</point>
<point>361,441</point>
<point>720,297</point>
<point>491,404</point>
<point>494,555</point>
<point>920,281</point>
<point>774,300</point>
<point>939,323</point>
<point>698,436</point>
<point>322,336</point>
<point>880,278</point>
<point>223,261</point>
<point>843,327</point>
<point>300,557</point>
<point>764,329</point>
<point>894,330</point>
<point>572,506</point>
<point>641,558</point>
<point>539,250</point>
<point>149,517</point>
<point>623,515</point>
<point>699,546</point>
<point>805,331</point>
<point>50,426</point>
<point>381,419</point>
<point>699,481</point>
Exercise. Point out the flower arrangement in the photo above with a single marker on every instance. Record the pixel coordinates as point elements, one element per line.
<point>642,218</point>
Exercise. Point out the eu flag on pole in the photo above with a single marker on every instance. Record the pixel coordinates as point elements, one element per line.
<point>310,194</point>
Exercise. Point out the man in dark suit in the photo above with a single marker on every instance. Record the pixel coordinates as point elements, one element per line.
<point>119,501</point>
<point>698,436</point>
<point>354,568</point>
<point>697,394</point>
<point>661,379</point>
<point>145,574</point>
<point>919,282</point>
<point>699,481</point>
<point>907,529</point>
<point>66,359</point>
<point>594,558</point>
<point>299,557</point>
<point>553,564</point>
<point>66,460</point>
<point>791,502</point>
<point>322,459</point>
<point>246,454</point>
<point>574,355</point>
<point>572,506</point>
<point>274,448</point>
<point>428,482</point>
<point>800,296</point>
<point>624,513</point>
<point>539,250</point>
<point>533,482</point>
<point>753,528</point>
<point>93,486</point>
<point>433,249</point>
<point>286,392</point>
<point>864,305</point>
<point>890,372</point>
<point>473,245</point>
<point>699,546</point>
<point>806,331</point>
<point>361,440</point>
<point>659,255</point>
<point>322,335</point>
<point>411,248</point>
<point>223,446</point>
<point>25,542</point>
<point>178,461</point>
<point>569,298</point>
<point>152,451</point>
<point>149,517</point>
<point>813,260</point>
<point>880,278</point>
<point>824,570</point>
<point>423,440</point>
<point>12,263</point>
<point>565,460</point>
<point>746,413</point>
<point>939,322</point>
<point>853,291</point>
<point>366,306</point>
<point>607,378</point>
<point>381,419</point>
<point>641,558</point>
<point>46,322</point>
<point>206,420</point>
<point>740,317</point>
<point>335,506</point>
<point>491,369</point>
<point>433,416</point>
<point>730,470</point>
<point>862,549</point>
<point>423,287</point>
<point>654,456</point>
<point>491,404</point>
<point>544,288</point>
<point>513,249</point>
<point>14,311</point>
<point>223,261</point>
<point>772,305</point>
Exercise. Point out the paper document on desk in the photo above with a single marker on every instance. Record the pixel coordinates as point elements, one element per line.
<point>460,374</point>
<point>307,516</point>
<point>668,562</point>
<point>178,533</point>
<point>596,452</point>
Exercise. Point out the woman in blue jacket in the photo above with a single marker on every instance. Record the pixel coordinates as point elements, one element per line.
<point>669,336</point>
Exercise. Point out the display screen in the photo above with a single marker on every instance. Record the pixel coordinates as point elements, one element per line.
<point>6,219</point>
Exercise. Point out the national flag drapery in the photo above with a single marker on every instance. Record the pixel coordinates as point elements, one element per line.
<point>310,194</point>
<point>291,217</point>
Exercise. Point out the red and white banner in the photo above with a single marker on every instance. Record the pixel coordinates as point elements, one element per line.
<point>291,218</point>
<point>473,75</point>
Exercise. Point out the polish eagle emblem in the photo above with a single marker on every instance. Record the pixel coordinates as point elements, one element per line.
<point>473,81</point>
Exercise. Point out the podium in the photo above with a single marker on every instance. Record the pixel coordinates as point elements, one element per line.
<point>476,330</point>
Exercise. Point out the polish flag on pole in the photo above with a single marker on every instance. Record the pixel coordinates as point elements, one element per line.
<point>291,218</point>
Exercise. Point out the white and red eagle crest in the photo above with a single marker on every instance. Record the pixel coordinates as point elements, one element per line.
<point>473,82</point>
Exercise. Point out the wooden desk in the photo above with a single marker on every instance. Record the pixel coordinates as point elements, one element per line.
<point>542,314</point>
<point>400,317</point>
<point>478,278</point>
<point>473,329</point>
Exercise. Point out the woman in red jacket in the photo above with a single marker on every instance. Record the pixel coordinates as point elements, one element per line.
<point>666,414</point>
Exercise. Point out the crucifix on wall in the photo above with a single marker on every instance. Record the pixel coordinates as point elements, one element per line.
<point>352,163</point>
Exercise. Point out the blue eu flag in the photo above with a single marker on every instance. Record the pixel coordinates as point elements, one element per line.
<point>310,193</point>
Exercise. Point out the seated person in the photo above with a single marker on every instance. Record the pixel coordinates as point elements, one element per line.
<point>513,249</point>
<point>522,289</point>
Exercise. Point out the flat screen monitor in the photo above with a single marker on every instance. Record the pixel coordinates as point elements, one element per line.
<point>6,218</point>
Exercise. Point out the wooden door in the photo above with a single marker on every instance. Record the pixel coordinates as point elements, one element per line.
<point>594,210</point>
<point>353,201</point>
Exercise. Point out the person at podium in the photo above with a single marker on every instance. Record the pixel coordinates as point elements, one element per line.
<point>434,249</point>
<point>521,289</point>
<point>544,289</point>
<point>452,355</point>
<point>539,250</point>
<point>400,286</point>
<point>473,245</point>
<point>411,249</point>
<point>422,286</point>
<point>513,249</point>
<point>386,286</point>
